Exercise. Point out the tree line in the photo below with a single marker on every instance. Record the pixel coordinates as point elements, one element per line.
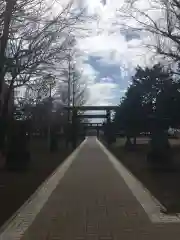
<point>37,63</point>
<point>151,103</point>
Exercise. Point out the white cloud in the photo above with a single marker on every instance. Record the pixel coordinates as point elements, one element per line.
<point>107,39</point>
<point>104,93</point>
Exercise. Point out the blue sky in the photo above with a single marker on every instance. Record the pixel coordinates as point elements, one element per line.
<point>109,53</point>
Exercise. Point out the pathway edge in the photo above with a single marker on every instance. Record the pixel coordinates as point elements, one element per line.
<point>20,221</point>
<point>150,204</point>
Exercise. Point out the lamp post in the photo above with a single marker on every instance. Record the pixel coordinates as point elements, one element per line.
<point>50,81</point>
<point>70,75</point>
<point>73,82</point>
<point>69,85</point>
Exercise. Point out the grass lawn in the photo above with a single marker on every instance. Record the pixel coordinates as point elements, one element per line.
<point>163,184</point>
<point>16,188</point>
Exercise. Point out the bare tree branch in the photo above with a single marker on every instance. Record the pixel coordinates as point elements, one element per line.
<point>165,28</point>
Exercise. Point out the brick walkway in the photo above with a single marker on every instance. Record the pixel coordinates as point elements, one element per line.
<point>92,202</point>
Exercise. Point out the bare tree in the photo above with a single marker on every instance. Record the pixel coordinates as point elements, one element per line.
<point>33,40</point>
<point>161,21</point>
<point>36,41</point>
<point>79,88</point>
<point>72,86</point>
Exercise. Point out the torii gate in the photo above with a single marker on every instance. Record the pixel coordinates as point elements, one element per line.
<point>74,110</point>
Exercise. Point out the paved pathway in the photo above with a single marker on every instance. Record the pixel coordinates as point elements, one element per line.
<point>92,202</point>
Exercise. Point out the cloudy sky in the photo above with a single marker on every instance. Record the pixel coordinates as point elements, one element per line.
<point>108,53</point>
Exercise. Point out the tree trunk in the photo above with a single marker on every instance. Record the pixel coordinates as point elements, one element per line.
<point>160,150</point>
<point>5,118</point>
<point>4,38</point>
<point>128,143</point>
<point>18,155</point>
<point>3,43</point>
